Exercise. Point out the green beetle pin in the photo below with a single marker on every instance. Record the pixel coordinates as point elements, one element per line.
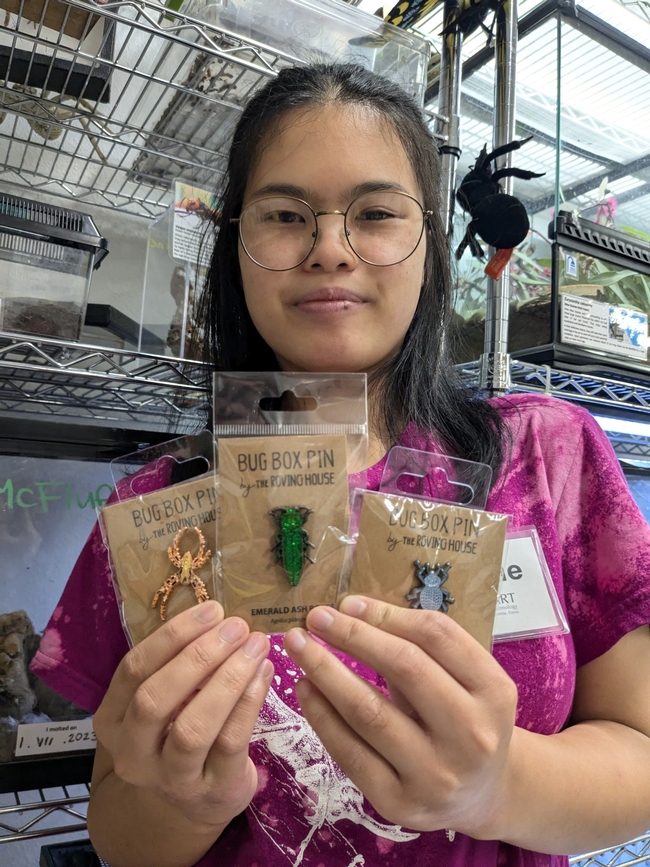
<point>292,542</point>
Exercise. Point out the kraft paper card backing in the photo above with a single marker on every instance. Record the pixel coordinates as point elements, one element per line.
<point>396,531</point>
<point>139,532</point>
<point>257,475</point>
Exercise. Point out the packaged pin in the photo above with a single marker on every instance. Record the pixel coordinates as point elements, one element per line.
<point>425,540</point>
<point>286,443</point>
<point>161,532</point>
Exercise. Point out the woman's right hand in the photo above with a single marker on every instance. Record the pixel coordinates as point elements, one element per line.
<point>179,714</point>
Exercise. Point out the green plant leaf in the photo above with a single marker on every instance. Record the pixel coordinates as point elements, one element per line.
<point>536,264</point>
<point>532,281</point>
<point>622,296</point>
<point>608,278</point>
<point>521,294</point>
<point>636,232</point>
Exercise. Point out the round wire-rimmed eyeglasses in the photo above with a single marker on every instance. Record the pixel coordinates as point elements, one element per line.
<point>382,228</point>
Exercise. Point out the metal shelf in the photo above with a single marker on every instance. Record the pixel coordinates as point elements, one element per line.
<point>167,90</point>
<point>39,811</point>
<point>45,377</point>
<point>30,819</point>
<point>35,825</point>
<point>630,447</point>
<point>636,851</point>
<point>113,101</point>
<point>583,387</point>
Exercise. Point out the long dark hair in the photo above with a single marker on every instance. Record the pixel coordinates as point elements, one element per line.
<point>418,386</point>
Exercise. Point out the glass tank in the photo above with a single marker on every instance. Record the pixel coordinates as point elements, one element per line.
<point>602,292</point>
<point>586,76</point>
<point>47,508</point>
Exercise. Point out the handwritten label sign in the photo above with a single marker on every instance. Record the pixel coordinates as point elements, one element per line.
<point>35,739</point>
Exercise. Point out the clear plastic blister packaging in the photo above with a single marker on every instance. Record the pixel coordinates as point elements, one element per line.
<point>425,540</point>
<point>286,443</point>
<point>161,531</point>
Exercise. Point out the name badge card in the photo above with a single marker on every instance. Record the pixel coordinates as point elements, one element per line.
<point>527,602</point>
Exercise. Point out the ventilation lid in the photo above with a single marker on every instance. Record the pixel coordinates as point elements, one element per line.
<point>593,239</point>
<point>51,223</point>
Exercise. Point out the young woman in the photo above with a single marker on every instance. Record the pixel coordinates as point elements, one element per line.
<point>395,738</point>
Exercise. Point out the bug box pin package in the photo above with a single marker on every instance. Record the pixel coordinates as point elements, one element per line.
<point>160,532</point>
<point>425,541</point>
<point>285,445</point>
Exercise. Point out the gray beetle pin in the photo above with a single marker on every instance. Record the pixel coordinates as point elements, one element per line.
<point>431,595</point>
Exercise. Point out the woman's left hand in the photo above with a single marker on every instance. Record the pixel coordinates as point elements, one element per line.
<point>437,755</point>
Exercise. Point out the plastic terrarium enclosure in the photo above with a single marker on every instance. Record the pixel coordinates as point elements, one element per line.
<point>172,283</point>
<point>588,304</point>
<point>596,316</point>
<point>282,33</point>
<point>597,52</point>
<point>289,30</point>
<point>47,257</point>
<point>320,30</point>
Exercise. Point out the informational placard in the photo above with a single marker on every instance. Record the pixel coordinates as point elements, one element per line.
<point>192,226</point>
<point>599,325</point>
<point>36,739</point>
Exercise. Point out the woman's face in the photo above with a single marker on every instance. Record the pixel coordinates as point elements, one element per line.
<point>334,311</point>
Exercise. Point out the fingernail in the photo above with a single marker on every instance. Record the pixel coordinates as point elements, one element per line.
<point>354,606</point>
<point>320,619</point>
<point>265,669</point>
<point>295,640</point>
<point>206,611</point>
<point>232,630</point>
<point>254,645</point>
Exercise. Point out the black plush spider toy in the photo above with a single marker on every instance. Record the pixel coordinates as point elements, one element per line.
<point>473,16</point>
<point>500,220</point>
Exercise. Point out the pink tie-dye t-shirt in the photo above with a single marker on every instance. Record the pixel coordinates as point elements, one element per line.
<point>562,477</point>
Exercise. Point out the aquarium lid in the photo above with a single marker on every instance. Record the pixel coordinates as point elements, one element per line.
<point>51,223</point>
<point>602,241</point>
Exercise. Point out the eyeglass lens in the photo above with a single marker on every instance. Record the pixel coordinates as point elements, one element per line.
<point>383,229</point>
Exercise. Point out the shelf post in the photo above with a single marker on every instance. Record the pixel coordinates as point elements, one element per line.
<point>495,362</point>
<point>448,123</point>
